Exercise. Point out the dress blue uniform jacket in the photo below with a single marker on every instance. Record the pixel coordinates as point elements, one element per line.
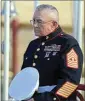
<point>59,59</point>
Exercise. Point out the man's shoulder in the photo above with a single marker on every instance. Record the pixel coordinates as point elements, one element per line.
<point>69,38</point>
<point>34,41</point>
<point>32,45</point>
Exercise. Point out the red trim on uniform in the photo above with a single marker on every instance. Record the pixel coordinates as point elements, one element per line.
<point>60,34</point>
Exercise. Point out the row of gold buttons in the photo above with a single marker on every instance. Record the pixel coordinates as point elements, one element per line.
<point>36,56</point>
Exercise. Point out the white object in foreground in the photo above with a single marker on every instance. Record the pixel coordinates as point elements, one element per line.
<point>24,84</point>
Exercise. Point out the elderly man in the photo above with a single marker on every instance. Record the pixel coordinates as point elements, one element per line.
<point>56,55</point>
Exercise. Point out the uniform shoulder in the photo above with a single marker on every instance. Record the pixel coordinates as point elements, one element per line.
<point>34,41</point>
<point>68,42</point>
<point>69,38</point>
<point>32,45</point>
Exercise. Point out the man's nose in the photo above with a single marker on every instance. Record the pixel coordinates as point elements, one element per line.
<point>35,24</point>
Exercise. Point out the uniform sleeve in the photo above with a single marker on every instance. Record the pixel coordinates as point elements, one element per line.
<point>27,58</point>
<point>70,65</point>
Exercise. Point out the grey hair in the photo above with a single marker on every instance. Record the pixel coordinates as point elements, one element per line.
<point>51,8</point>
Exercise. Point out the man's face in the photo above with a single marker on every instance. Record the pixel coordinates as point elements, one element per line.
<point>43,23</point>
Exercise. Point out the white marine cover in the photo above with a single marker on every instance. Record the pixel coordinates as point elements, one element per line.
<point>24,84</point>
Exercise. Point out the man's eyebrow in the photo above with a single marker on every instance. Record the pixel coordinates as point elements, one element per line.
<point>37,19</point>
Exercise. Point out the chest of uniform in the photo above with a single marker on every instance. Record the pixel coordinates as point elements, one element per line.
<point>48,52</point>
<point>45,54</point>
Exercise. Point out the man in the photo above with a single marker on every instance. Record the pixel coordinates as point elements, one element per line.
<point>56,55</point>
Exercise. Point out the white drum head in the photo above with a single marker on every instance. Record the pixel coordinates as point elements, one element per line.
<point>24,84</point>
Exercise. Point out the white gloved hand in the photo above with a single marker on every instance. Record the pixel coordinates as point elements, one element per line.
<point>31,99</point>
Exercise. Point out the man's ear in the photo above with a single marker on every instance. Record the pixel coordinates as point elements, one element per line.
<point>55,24</point>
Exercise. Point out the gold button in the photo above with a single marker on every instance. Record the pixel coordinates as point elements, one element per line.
<point>35,56</point>
<point>48,59</point>
<point>43,43</point>
<point>54,98</point>
<point>26,58</point>
<point>34,64</point>
<point>47,37</point>
<point>38,49</point>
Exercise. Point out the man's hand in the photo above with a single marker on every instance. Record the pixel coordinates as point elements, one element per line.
<point>46,96</point>
<point>31,99</point>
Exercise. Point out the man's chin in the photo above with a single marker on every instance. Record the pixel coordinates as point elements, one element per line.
<point>37,34</point>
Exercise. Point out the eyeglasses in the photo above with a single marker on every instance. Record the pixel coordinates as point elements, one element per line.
<point>39,22</point>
